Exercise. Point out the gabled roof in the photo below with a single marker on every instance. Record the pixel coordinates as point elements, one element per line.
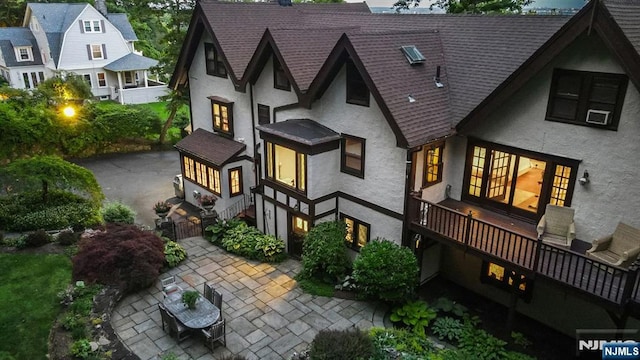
<point>18,36</point>
<point>210,147</point>
<point>131,62</point>
<point>301,131</point>
<point>121,22</point>
<point>626,14</point>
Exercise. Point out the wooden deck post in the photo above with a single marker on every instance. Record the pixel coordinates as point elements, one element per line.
<point>632,277</point>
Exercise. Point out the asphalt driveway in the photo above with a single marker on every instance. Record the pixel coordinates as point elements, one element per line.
<point>136,179</point>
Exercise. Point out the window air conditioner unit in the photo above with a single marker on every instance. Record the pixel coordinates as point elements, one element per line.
<point>599,117</point>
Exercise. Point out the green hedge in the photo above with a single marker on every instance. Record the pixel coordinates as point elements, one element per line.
<point>325,253</point>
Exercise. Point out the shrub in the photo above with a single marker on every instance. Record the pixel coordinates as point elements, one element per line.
<point>37,238</point>
<point>174,253</point>
<point>117,212</point>
<point>81,349</point>
<point>214,233</point>
<point>481,345</point>
<point>447,305</point>
<point>249,242</point>
<point>386,271</point>
<point>269,247</point>
<point>415,314</point>
<point>341,344</point>
<point>67,237</point>
<point>325,253</point>
<point>447,328</point>
<point>408,343</point>
<point>122,255</point>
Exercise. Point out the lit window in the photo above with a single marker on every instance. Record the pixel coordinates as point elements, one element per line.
<point>560,185</point>
<point>286,166</point>
<point>504,278</point>
<point>300,225</point>
<point>214,180</point>
<point>222,116</point>
<point>477,169</point>
<point>433,165</point>
<point>357,232</point>
<point>102,79</point>
<point>202,174</point>
<point>235,181</point>
<point>352,155</point>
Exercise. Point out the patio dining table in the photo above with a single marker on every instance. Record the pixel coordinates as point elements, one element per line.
<point>204,315</point>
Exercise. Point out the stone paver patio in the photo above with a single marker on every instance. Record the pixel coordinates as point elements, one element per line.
<point>268,315</point>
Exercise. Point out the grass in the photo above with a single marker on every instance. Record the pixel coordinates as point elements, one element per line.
<point>29,284</point>
<point>316,287</point>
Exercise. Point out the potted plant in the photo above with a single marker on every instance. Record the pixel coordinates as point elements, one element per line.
<point>189,298</point>
<point>162,208</point>
<point>208,201</point>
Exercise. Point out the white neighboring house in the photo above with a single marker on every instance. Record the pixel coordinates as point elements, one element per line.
<point>78,38</point>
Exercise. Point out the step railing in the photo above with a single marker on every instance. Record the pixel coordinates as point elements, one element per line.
<point>236,208</point>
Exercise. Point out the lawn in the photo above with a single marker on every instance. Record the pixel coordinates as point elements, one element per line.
<point>29,284</point>
<point>160,108</point>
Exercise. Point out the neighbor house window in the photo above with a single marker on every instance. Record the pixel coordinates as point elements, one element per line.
<point>96,51</point>
<point>280,79</point>
<point>433,165</point>
<point>87,79</point>
<point>214,64</point>
<point>102,79</point>
<point>586,98</point>
<point>24,53</point>
<point>286,166</point>
<point>32,79</point>
<point>222,116</point>
<point>352,155</point>
<point>129,77</point>
<point>357,234</point>
<point>235,181</point>
<point>264,116</point>
<point>202,174</point>
<point>92,26</point>
<point>357,91</point>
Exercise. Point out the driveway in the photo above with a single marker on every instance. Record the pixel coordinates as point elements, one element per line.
<point>268,316</point>
<point>136,179</point>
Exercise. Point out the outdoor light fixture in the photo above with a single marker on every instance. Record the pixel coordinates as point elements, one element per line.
<point>584,180</point>
<point>69,111</point>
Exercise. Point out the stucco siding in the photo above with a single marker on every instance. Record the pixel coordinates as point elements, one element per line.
<point>609,156</point>
<point>323,172</point>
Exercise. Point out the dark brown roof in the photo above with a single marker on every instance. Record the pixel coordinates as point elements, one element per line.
<point>301,131</point>
<point>626,13</point>
<point>210,147</point>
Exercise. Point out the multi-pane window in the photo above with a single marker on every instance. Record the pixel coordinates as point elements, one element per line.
<point>477,169</point>
<point>352,161</point>
<point>433,165</point>
<point>299,225</point>
<point>87,79</point>
<point>586,98</point>
<point>560,185</point>
<point>280,79</point>
<point>202,174</point>
<point>357,90</point>
<point>222,116</point>
<point>96,52</point>
<point>24,53</point>
<point>92,26</point>
<point>235,181</point>
<point>102,79</point>
<point>286,166</point>
<point>357,234</point>
<point>213,62</point>
<point>505,278</point>
<point>32,79</point>
<point>263,114</point>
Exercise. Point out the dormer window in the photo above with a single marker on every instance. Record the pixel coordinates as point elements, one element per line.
<point>24,53</point>
<point>92,26</point>
<point>280,79</point>
<point>214,64</point>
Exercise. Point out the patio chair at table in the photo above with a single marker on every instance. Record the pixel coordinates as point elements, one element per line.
<point>215,334</point>
<point>169,285</point>
<point>208,292</point>
<point>217,300</point>
<point>176,330</point>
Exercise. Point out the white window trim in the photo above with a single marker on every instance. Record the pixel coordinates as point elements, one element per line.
<point>105,80</point>
<point>101,53</point>
<point>91,30</point>
<point>29,53</point>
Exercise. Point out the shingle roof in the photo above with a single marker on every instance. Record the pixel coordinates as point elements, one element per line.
<point>627,14</point>
<point>131,62</point>
<point>18,36</point>
<point>55,19</point>
<point>121,22</point>
<point>210,147</point>
<point>302,131</point>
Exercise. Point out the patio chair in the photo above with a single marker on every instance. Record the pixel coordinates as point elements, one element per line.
<point>618,249</point>
<point>215,334</point>
<point>217,300</point>
<point>208,292</point>
<point>169,285</point>
<point>556,227</point>
<point>176,329</point>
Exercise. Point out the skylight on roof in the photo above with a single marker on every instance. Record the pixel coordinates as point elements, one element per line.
<point>413,54</point>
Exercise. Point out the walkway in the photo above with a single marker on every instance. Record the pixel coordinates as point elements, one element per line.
<point>268,316</point>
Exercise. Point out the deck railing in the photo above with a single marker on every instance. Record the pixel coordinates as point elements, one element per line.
<point>236,208</point>
<point>612,283</point>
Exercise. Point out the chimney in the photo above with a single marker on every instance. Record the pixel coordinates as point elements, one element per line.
<point>101,6</point>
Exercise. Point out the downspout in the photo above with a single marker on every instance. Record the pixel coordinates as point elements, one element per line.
<point>256,172</point>
<point>407,193</point>
<point>284,107</point>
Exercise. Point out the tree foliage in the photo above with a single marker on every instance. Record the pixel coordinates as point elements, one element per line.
<point>469,6</point>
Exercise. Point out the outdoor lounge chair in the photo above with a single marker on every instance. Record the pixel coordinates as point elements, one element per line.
<point>618,249</point>
<point>215,334</point>
<point>556,227</point>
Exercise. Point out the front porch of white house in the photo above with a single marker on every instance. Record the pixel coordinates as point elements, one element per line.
<point>134,85</point>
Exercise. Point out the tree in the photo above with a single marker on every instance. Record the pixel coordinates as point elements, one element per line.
<point>47,172</point>
<point>469,6</point>
<point>175,100</point>
<point>65,87</point>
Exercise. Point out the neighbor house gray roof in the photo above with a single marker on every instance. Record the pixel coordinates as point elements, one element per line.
<point>302,131</point>
<point>131,62</point>
<point>18,36</point>
<point>121,22</point>
<point>210,147</point>
<point>55,19</point>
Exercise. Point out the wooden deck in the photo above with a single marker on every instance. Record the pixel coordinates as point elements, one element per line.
<point>506,240</point>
